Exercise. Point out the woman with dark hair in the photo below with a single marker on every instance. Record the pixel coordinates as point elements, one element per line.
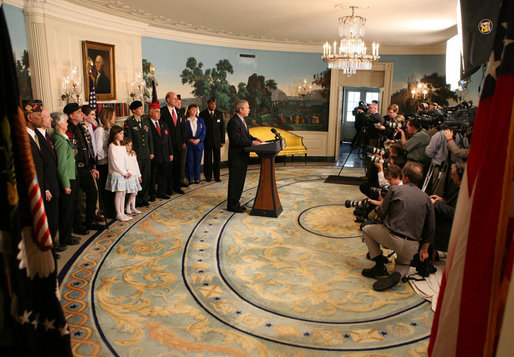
<point>196,131</point>
<point>107,118</point>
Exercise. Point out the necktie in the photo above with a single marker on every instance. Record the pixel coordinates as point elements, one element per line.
<point>174,115</point>
<point>212,115</point>
<point>158,128</point>
<point>50,143</point>
<point>37,141</point>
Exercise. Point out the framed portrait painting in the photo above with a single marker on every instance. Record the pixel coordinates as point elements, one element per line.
<point>99,63</point>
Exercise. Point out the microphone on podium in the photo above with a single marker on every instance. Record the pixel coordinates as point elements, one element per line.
<point>277,134</point>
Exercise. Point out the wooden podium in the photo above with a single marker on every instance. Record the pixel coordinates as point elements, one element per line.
<point>267,203</point>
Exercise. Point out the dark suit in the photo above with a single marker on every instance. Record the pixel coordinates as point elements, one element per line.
<point>239,138</point>
<point>142,143</point>
<point>102,83</point>
<point>178,137</point>
<point>85,163</point>
<point>214,138</point>
<point>39,164</point>
<point>51,183</point>
<point>163,148</point>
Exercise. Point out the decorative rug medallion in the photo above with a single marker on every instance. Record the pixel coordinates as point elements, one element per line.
<point>333,221</point>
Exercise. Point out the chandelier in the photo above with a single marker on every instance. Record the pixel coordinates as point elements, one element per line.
<point>351,54</point>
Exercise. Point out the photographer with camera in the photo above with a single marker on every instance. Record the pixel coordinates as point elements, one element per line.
<point>373,121</point>
<point>360,114</point>
<point>409,225</point>
<point>437,151</point>
<point>461,153</point>
<point>417,142</point>
<point>444,210</point>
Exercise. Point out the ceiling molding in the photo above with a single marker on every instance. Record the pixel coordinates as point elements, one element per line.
<point>68,10</point>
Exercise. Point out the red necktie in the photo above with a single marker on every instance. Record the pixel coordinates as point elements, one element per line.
<point>174,115</point>
<point>50,143</point>
<point>158,128</point>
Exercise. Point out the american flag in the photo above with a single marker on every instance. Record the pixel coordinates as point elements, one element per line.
<point>474,289</point>
<point>92,92</point>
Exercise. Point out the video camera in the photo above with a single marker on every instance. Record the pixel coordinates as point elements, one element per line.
<point>363,106</point>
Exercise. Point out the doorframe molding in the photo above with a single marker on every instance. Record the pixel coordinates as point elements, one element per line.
<point>384,71</point>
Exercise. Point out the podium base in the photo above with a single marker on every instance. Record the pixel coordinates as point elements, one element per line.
<point>266,212</point>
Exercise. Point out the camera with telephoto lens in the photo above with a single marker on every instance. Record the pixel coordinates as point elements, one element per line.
<point>394,125</point>
<point>376,159</point>
<point>375,150</point>
<point>360,203</point>
<point>382,190</point>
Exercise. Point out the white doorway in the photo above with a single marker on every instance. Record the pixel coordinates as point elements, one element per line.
<point>351,98</point>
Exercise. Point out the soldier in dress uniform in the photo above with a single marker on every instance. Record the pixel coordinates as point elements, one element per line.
<point>137,128</point>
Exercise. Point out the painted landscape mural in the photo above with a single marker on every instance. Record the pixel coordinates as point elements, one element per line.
<point>285,90</point>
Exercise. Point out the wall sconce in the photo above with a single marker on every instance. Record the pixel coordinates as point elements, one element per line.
<point>137,88</point>
<point>421,91</point>
<point>304,89</point>
<point>71,87</point>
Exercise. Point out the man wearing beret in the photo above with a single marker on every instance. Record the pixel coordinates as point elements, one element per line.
<point>86,168</point>
<point>137,128</point>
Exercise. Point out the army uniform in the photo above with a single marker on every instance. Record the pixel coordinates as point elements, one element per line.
<point>142,144</point>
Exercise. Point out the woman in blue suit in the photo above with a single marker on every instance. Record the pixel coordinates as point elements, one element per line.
<point>195,136</point>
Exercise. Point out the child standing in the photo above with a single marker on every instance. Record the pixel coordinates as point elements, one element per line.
<point>134,182</point>
<point>118,173</point>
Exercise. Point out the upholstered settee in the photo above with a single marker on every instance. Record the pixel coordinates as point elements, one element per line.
<point>294,143</point>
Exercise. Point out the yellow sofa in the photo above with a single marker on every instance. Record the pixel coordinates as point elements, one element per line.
<point>294,143</point>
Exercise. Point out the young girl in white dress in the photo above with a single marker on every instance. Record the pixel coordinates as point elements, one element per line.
<point>118,173</point>
<point>134,182</point>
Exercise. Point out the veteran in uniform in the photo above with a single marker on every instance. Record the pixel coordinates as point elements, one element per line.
<point>137,128</point>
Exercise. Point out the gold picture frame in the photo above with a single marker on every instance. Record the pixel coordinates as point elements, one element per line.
<point>99,62</point>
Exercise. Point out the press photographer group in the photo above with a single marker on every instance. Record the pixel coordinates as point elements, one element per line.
<point>414,167</point>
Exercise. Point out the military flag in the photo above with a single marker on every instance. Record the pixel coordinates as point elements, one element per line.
<point>34,322</point>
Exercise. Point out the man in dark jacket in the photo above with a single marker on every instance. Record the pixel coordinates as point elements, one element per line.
<point>239,138</point>
<point>214,140</point>
<point>172,116</point>
<point>163,152</point>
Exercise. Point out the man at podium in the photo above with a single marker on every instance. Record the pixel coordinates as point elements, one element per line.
<point>239,138</point>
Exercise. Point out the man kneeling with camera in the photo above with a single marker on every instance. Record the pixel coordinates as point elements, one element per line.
<point>408,223</point>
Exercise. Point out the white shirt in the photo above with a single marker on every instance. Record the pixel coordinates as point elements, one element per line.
<point>155,122</point>
<point>93,139</point>
<point>102,145</point>
<point>194,124</point>
<point>32,134</point>
<point>171,110</point>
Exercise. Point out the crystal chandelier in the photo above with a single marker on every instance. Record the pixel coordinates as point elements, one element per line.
<point>351,54</point>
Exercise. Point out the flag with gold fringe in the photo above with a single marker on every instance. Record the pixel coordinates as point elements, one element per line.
<point>478,272</point>
<point>32,322</point>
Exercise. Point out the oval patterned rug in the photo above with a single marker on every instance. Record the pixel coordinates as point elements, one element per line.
<point>190,278</point>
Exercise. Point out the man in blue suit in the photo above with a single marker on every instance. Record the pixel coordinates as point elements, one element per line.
<point>239,138</point>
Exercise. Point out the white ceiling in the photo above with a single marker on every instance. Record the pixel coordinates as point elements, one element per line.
<point>391,22</point>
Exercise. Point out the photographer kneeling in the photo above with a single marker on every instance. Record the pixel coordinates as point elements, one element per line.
<point>409,222</point>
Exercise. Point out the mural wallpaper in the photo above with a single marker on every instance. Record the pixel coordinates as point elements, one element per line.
<point>284,89</point>
<point>16,25</point>
<point>420,78</point>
